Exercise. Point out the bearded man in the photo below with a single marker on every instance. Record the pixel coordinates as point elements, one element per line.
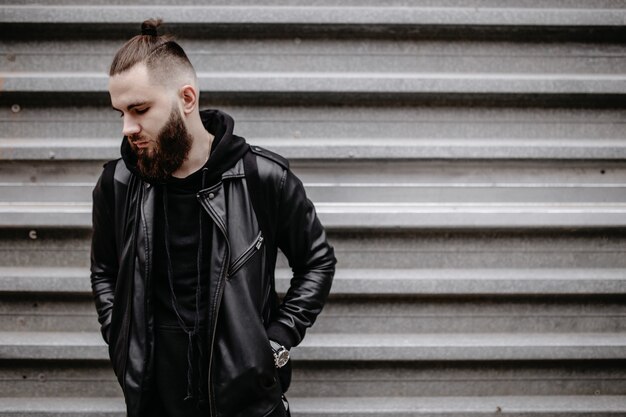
<point>186,228</point>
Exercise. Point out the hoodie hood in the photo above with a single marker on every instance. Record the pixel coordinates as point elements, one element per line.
<point>226,149</point>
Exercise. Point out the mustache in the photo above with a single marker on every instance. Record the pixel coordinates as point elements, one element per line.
<point>135,138</point>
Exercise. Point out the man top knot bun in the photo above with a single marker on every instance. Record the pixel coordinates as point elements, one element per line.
<point>149,27</point>
<point>158,51</point>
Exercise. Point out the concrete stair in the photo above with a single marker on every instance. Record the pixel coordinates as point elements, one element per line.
<point>359,347</point>
<point>548,406</point>
<point>467,158</point>
<point>550,347</point>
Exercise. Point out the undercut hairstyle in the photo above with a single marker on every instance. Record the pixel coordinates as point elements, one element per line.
<point>165,59</point>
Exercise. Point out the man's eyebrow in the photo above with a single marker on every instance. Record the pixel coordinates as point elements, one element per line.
<point>132,105</point>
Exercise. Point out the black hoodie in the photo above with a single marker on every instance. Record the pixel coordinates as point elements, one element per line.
<point>178,197</point>
<point>181,251</point>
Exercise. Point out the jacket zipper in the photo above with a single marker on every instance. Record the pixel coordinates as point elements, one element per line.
<point>245,257</point>
<point>223,275</point>
<point>147,286</point>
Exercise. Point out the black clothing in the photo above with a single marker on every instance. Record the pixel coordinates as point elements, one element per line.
<point>180,296</point>
<point>180,275</point>
<point>243,310</point>
<point>184,237</point>
<point>170,363</point>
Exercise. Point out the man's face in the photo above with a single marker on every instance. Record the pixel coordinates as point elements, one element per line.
<point>152,122</point>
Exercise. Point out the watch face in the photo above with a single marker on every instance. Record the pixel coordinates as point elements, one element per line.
<point>282,357</point>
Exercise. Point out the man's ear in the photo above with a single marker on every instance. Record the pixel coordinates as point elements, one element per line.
<point>189,98</point>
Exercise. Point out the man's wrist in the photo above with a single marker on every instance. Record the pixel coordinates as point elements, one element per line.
<point>281,354</point>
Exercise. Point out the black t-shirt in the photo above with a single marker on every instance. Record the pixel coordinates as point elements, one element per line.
<point>183,214</point>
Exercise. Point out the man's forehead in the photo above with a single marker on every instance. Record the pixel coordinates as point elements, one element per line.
<point>129,99</point>
<point>132,87</point>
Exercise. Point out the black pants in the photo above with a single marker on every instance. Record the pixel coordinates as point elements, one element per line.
<point>171,367</point>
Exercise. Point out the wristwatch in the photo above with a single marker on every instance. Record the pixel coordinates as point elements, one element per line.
<point>281,354</point>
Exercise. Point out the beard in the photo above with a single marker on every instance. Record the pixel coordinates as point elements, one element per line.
<point>173,143</point>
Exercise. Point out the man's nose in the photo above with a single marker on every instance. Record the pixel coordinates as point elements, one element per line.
<point>131,127</point>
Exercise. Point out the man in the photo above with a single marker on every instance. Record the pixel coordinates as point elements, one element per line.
<point>186,227</point>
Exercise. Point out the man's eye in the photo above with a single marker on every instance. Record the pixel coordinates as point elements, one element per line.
<point>142,111</point>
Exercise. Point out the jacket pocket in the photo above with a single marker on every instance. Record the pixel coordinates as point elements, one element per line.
<point>238,263</point>
<point>245,379</point>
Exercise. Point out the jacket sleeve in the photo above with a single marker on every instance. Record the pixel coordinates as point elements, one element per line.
<point>104,262</point>
<point>302,239</point>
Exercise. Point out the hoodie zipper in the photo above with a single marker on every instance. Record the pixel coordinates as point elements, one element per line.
<point>245,257</point>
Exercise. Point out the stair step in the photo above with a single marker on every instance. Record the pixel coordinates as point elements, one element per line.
<point>63,379</point>
<point>29,280</point>
<point>348,379</point>
<point>360,347</point>
<point>52,346</point>
<point>384,249</point>
<point>478,379</point>
<point>319,13</point>
<point>369,315</point>
<point>65,215</point>
<point>462,183</point>
<point>62,407</point>
<point>470,215</point>
<point>405,194</point>
<point>345,83</point>
<point>461,347</point>
<point>364,216</point>
<point>460,406</point>
<point>376,282</point>
<point>545,315</point>
<point>478,249</point>
<point>450,282</point>
<point>309,54</point>
<point>520,406</point>
<point>98,149</point>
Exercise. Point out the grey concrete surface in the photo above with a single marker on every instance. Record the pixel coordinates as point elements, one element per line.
<point>544,406</point>
<point>342,83</point>
<point>264,14</point>
<point>360,347</point>
<point>466,156</point>
<point>370,282</point>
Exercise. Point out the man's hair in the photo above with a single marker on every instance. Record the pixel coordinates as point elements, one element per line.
<point>163,57</point>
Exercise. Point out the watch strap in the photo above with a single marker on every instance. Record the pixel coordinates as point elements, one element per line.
<point>276,346</point>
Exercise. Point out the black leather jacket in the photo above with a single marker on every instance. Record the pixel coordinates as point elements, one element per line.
<point>244,311</point>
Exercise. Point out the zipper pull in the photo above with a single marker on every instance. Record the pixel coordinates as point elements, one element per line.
<point>259,242</point>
